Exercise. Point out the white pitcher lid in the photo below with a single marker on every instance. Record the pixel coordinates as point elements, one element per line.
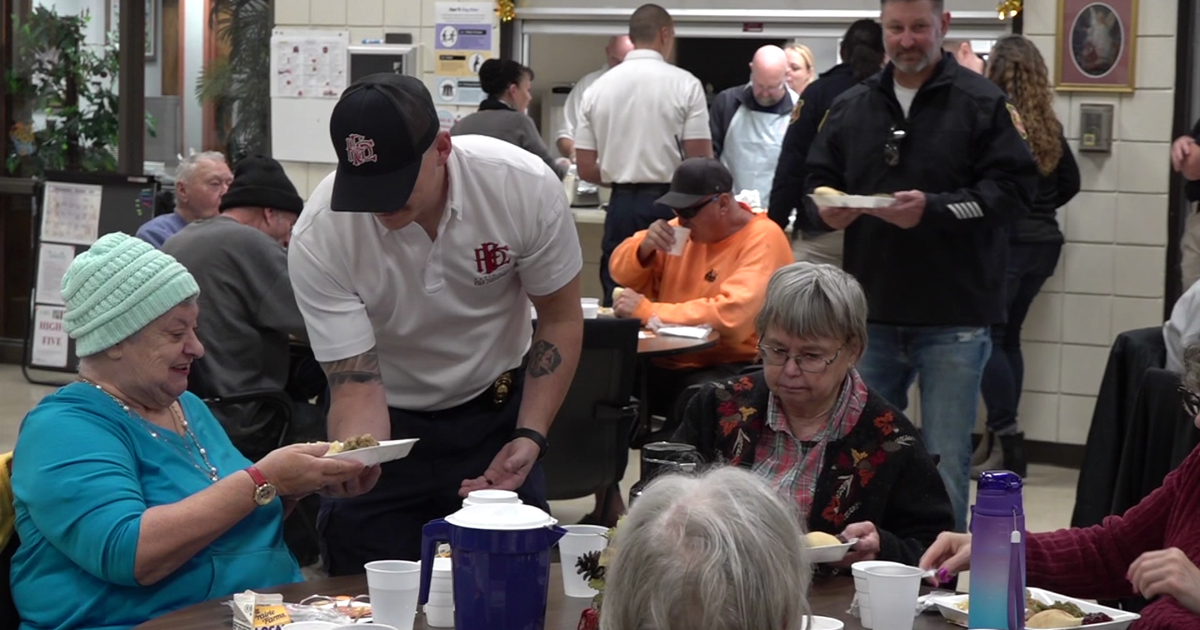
<point>480,497</point>
<point>501,517</point>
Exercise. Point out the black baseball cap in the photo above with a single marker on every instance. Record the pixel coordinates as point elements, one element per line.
<point>695,181</point>
<point>381,127</point>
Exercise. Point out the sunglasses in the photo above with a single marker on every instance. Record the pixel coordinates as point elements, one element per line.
<point>691,212</point>
<point>891,149</point>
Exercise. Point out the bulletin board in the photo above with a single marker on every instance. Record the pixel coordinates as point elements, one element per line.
<point>73,210</point>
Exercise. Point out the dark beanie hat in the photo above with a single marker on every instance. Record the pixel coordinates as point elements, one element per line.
<point>259,182</point>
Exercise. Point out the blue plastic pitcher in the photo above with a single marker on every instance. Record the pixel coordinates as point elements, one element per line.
<point>998,553</point>
<point>501,559</point>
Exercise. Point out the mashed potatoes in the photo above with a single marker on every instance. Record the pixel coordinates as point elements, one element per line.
<point>821,539</point>
<point>828,191</point>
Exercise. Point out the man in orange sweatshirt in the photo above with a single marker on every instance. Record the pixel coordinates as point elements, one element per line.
<point>720,279</point>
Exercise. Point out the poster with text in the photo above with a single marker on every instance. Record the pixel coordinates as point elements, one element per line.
<point>50,343</point>
<point>71,213</point>
<point>53,261</point>
<point>464,39</point>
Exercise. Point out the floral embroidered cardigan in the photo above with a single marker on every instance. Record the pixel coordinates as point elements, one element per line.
<point>880,472</point>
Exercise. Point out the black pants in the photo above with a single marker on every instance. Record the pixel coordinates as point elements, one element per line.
<point>631,208</point>
<point>456,444</point>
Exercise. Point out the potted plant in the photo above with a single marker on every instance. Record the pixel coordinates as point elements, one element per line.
<point>238,84</point>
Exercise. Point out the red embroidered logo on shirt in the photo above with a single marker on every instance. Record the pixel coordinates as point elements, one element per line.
<point>491,256</point>
<point>359,150</point>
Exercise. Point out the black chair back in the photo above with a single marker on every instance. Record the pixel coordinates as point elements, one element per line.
<point>589,441</point>
<point>280,405</point>
<point>8,609</point>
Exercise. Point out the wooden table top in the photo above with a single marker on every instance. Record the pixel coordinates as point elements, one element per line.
<point>830,597</point>
<point>663,346</point>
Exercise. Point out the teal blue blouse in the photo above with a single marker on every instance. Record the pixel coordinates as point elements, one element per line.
<point>84,472</point>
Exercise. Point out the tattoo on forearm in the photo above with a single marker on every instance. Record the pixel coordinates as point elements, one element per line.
<point>545,358</point>
<point>363,368</point>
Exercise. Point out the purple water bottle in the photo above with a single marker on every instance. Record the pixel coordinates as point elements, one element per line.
<point>998,553</point>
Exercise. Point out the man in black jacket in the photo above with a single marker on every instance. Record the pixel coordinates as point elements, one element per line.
<point>944,142</point>
<point>862,55</point>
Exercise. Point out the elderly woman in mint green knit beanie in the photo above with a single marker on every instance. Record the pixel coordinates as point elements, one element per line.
<point>130,499</point>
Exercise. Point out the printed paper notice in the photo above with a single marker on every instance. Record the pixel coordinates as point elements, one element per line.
<point>53,261</point>
<point>464,40</point>
<point>71,213</point>
<point>309,67</point>
<point>50,341</point>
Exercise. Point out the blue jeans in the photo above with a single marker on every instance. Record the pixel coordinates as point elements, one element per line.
<point>950,362</point>
<point>1029,266</point>
<point>630,208</point>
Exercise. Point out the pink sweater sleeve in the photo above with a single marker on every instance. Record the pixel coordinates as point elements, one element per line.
<point>1092,563</point>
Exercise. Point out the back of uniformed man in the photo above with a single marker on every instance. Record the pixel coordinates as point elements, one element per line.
<point>640,121</point>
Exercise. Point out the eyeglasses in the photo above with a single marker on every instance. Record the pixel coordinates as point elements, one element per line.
<point>690,213</point>
<point>810,362</point>
<point>891,150</point>
<point>1191,402</point>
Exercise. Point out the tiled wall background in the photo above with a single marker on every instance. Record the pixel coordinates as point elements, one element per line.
<point>365,19</point>
<point>1111,274</point>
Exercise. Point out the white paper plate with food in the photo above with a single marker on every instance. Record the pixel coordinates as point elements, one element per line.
<point>1046,610</point>
<point>851,201</point>
<point>370,451</point>
<point>823,547</point>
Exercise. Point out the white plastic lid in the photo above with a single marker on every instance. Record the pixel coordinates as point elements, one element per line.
<point>501,517</point>
<point>480,497</point>
<point>441,565</point>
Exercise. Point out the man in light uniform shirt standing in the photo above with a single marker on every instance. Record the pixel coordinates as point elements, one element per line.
<point>413,265</point>
<point>616,50</point>
<point>640,121</point>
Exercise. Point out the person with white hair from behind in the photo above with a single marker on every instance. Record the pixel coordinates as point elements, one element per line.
<point>719,551</point>
<point>200,181</point>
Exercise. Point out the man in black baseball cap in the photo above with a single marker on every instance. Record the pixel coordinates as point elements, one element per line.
<point>381,128</point>
<point>717,276</point>
<point>417,252</point>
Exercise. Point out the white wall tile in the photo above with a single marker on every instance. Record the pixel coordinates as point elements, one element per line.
<point>1145,167</point>
<point>1055,283</point>
<point>298,173</point>
<point>1083,369</point>
<point>1158,17</point>
<point>1142,219</point>
<point>364,12</point>
<point>1139,271</point>
<point>1042,366</point>
<point>1087,319</point>
<point>1075,418</point>
<point>291,12</point>
<point>329,12</point>
<point>317,173</point>
<point>403,13</point>
<point>1091,217</point>
<point>1044,321</point>
<point>1156,62</point>
<point>1088,268</point>
<point>1133,313</point>
<point>428,40</point>
<point>1146,116</point>
<point>429,12</point>
<point>1037,416</point>
<point>1041,19</point>
<point>1098,171</point>
<point>1062,108</point>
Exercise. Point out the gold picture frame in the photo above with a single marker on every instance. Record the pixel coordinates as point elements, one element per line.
<point>1095,46</point>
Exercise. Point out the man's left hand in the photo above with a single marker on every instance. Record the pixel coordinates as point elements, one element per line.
<point>508,470</point>
<point>906,212</point>
<point>1167,572</point>
<point>867,547</point>
<point>627,303</point>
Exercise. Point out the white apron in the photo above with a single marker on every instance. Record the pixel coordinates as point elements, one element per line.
<point>751,150</point>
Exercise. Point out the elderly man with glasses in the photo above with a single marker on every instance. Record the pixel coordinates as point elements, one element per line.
<point>716,277</point>
<point>750,120</point>
<point>810,426</point>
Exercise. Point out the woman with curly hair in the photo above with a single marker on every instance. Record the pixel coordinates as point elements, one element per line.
<point>1017,67</point>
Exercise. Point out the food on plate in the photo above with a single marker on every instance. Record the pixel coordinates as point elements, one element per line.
<point>821,539</point>
<point>1053,618</point>
<point>604,311</point>
<point>1092,618</point>
<point>828,191</point>
<point>617,293</point>
<point>352,444</point>
<point>1034,607</point>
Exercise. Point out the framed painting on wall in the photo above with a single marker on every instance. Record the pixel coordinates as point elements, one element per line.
<point>113,21</point>
<point>1096,47</point>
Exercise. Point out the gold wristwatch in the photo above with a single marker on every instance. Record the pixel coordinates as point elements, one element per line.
<point>264,492</point>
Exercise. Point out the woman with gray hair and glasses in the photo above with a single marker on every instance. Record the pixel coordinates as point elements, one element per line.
<point>720,551</point>
<point>810,426</point>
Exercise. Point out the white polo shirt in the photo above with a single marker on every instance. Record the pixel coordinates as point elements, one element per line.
<point>637,116</point>
<point>446,316</point>
<point>573,108</point>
